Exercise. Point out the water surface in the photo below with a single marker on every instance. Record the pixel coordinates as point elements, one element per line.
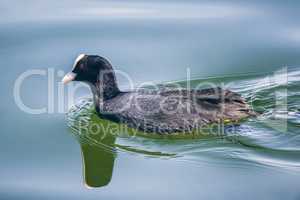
<point>40,157</point>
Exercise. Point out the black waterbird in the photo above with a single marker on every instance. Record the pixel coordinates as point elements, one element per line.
<point>163,111</point>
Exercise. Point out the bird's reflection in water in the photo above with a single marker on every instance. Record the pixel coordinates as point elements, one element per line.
<point>97,147</point>
<point>98,161</point>
<point>97,139</point>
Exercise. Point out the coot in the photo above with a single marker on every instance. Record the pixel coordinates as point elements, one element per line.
<point>164,110</point>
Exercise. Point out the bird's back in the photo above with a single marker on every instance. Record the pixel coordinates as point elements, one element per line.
<point>175,110</point>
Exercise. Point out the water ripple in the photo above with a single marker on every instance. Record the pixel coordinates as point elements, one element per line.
<point>271,140</point>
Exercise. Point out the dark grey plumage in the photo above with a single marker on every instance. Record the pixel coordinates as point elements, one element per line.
<point>170,111</point>
<point>162,111</point>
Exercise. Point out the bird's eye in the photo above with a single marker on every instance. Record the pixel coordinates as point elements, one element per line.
<point>81,66</point>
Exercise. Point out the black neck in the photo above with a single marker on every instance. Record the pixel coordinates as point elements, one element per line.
<point>105,87</point>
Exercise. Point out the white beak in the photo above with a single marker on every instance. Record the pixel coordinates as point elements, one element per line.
<point>68,77</point>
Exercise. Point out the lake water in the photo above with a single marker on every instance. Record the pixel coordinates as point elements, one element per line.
<point>251,46</point>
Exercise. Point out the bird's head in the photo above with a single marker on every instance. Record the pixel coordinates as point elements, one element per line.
<point>97,72</point>
<point>87,68</point>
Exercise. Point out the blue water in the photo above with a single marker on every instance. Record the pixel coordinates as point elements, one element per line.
<point>152,41</point>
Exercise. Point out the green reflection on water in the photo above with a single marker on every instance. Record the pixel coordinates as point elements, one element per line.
<point>98,163</point>
<point>256,142</point>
